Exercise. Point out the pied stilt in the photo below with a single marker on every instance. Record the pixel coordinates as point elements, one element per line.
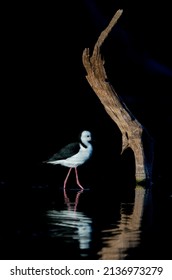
<point>73,155</point>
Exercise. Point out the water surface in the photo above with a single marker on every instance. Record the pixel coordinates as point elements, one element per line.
<point>45,222</point>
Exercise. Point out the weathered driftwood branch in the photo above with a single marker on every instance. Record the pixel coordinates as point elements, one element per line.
<point>132,131</point>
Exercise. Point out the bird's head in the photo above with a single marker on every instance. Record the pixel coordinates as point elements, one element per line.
<point>86,136</point>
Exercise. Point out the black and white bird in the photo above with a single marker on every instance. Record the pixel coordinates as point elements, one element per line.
<point>73,155</point>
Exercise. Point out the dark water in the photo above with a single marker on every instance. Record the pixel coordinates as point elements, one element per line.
<point>42,221</point>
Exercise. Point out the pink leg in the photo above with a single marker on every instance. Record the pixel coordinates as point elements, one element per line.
<point>65,181</point>
<point>77,180</point>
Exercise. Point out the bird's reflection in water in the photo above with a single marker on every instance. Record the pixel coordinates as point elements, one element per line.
<point>125,235</point>
<point>72,206</point>
<point>70,223</point>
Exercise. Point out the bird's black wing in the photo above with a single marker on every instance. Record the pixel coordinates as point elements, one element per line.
<point>67,151</point>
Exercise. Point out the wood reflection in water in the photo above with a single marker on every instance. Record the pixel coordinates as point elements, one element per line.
<point>126,234</point>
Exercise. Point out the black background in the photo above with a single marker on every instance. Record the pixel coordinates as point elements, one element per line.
<point>45,99</point>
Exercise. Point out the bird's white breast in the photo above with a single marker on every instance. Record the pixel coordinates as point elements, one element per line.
<point>77,159</point>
